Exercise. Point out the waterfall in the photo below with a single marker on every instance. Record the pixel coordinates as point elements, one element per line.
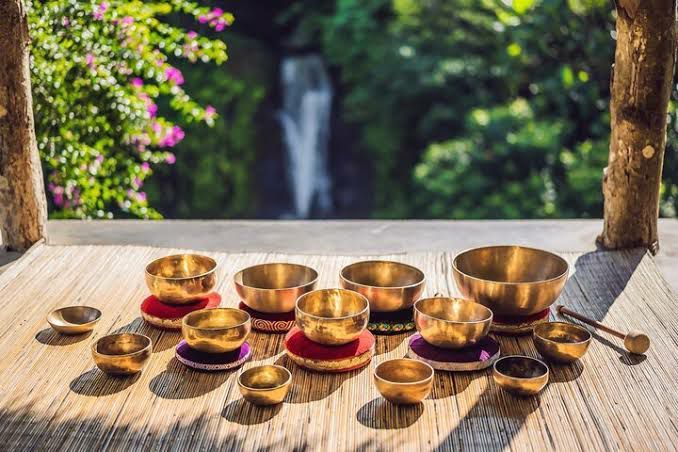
<point>305,119</point>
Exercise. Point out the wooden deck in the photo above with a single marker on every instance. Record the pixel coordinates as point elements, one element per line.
<point>53,398</point>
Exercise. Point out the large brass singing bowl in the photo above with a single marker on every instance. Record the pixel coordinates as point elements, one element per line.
<point>521,375</point>
<point>122,354</point>
<point>389,286</point>
<point>265,385</point>
<point>561,342</point>
<point>451,322</point>
<point>274,288</point>
<point>404,381</point>
<point>216,330</point>
<point>74,319</point>
<point>181,278</point>
<point>332,316</point>
<point>510,280</point>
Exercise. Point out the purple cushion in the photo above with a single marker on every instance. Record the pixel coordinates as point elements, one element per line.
<point>212,361</point>
<point>480,352</point>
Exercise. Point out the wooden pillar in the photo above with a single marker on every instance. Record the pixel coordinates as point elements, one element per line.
<point>641,85</point>
<point>23,207</point>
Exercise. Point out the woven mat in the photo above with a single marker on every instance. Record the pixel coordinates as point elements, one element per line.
<point>53,398</point>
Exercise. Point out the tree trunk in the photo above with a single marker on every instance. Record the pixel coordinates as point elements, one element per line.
<point>23,208</point>
<point>641,85</point>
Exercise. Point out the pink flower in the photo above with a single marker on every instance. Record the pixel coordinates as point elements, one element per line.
<point>137,182</point>
<point>152,108</point>
<point>210,111</point>
<point>66,22</point>
<point>202,19</point>
<point>220,26</point>
<point>178,133</point>
<point>89,60</point>
<point>170,158</point>
<point>216,12</point>
<point>137,82</point>
<point>191,35</point>
<point>127,20</point>
<point>99,10</point>
<point>145,167</point>
<point>58,199</point>
<point>99,159</point>
<point>174,75</point>
<point>156,127</point>
<point>141,196</point>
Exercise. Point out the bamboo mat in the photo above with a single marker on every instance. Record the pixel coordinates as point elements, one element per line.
<point>53,398</point>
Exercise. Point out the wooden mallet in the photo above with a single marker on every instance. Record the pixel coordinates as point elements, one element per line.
<point>635,341</point>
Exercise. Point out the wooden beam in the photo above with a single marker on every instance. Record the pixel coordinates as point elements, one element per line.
<point>23,207</point>
<point>641,86</point>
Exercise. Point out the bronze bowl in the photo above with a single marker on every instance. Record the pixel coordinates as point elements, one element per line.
<point>332,316</point>
<point>520,375</point>
<point>181,278</point>
<point>451,322</point>
<point>561,342</point>
<point>122,354</point>
<point>274,288</point>
<point>265,385</point>
<point>217,330</point>
<point>510,280</point>
<point>404,380</point>
<point>74,319</point>
<point>389,286</point>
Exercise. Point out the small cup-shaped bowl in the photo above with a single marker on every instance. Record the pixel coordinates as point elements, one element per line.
<point>561,342</point>
<point>274,288</point>
<point>451,322</point>
<point>123,353</point>
<point>265,385</point>
<point>332,316</point>
<point>217,330</point>
<point>181,278</point>
<point>74,319</point>
<point>521,375</point>
<point>404,381</point>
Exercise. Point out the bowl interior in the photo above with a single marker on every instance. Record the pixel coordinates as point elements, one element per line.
<point>521,367</point>
<point>382,274</point>
<point>510,264</point>
<point>181,266</point>
<point>121,344</point>
<point>276,276</point>
<point>403,371</point>
<point>74,315</point>
<point>563,333</point>
<point>453,309</point>
<point>332,303</point>
<point>219,318</point>
<point>265,377</point>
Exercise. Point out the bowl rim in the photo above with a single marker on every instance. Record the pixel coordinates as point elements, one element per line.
<point>242,271</point>
<point>124,355</point>
<point>405,383</point>
<point>366,309</point>
<point>171,278</point>
<point>373,261</point>
<point>287,381</point>
<point>569,325</point>
<point>545,374</point>
<point>68,324</point>
<point>185,323</point>
<point>454,322</point>
<point>538,281</point>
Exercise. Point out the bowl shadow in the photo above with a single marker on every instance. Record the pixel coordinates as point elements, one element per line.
<point>244,413</point>
<point>180,382</point>
<point>50,337</point>
<point>95,383</point>
<point>380,414</point>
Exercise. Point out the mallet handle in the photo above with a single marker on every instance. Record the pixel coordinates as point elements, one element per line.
<point>563,310</point>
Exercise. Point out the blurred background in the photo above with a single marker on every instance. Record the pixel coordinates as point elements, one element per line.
<point>460,109</point>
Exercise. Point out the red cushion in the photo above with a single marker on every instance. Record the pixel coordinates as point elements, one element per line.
<point>156,308</point>
<point>300,345</point>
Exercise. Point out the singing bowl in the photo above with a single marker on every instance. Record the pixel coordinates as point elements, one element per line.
<point>451,322</point>
<point>74,319</point>
<point>265,385</point>
<point>332,316</point>
<point>404,381</point>
<point>274,288</point>
<point>217,330</point>
<point>521,375</point>
<point>510,280</point>
<point>181,278</point>
<point>561,342</point>
<point>122,354</point>
<point>389,286</point>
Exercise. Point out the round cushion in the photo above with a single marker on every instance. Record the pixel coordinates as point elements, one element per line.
<point>212,361</point>
<point>391,322</point>
<point>519,325</point>
<point>326,358</point>
<point>476,357</point>
<point>168,316</point>
<point>269,322</point>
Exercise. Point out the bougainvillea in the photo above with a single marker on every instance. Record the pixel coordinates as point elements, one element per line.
<point>99,71</point>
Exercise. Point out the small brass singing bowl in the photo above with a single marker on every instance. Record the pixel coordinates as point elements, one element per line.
<point>74,319</point>
<point>265,385</point>
<point>332,316</point>
<point>181,278</point>
<point>521,375</point>
<point>218,330</point>
<point>274,288</point>
<point>510,280</point>
<point>451,322</point>
<point>389,286</point>
<point>561,342</point>
<point>122,354</point>
<point>404,381</point>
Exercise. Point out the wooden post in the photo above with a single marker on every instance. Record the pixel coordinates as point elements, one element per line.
<point>23,207</point>
<point>641,86</point>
